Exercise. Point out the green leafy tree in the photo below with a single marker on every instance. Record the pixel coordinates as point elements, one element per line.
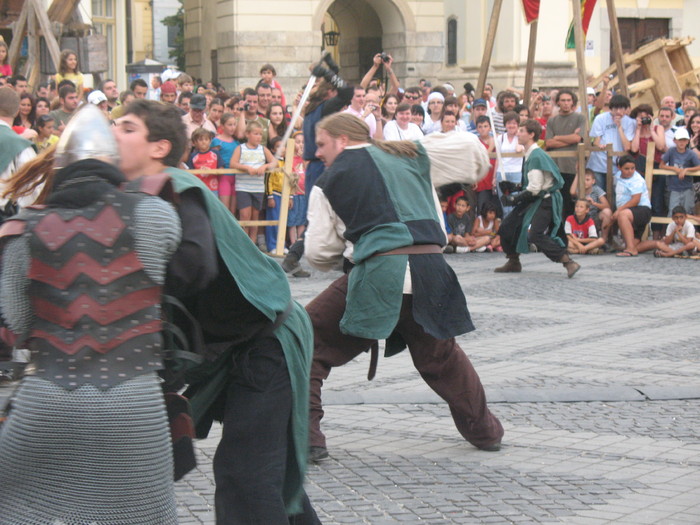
<point>178,21</point>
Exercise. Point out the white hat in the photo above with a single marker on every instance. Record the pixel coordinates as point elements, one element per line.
<point>680,134</point>
<point>436,95</point>
<point>96,97</point>
<point>590,91</point>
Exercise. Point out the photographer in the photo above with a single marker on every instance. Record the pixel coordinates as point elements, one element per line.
<point>646,132</point>
<point>250,114</point>
<point>378,60</point>
<point>367,110</point>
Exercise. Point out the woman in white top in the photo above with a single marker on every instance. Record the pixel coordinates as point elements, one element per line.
<point>402,128</point>
<point>510,168</point>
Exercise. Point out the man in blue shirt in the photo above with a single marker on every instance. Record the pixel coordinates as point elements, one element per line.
<point>613,127</point>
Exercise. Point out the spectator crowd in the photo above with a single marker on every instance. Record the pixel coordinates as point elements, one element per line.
<point>242,131</point>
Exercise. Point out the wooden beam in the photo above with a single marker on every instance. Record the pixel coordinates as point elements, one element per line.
<point>530,69</point>
<point>17,35</point>
<point>45,24</point>
<point>488,47</point>
<point>617,46</point>
<point>33,50</point>
<point>581,66</point>
<point>284,204</point>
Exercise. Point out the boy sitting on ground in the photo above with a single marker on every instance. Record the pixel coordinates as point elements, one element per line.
<point>461,225</point>
<point>581,231</point>
<point>680,235</point>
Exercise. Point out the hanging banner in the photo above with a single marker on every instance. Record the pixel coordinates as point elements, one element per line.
<point>586,14</point>
<point>531,8</point>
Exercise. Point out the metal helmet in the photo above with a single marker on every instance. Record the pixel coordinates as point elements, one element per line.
<point>88,135</point>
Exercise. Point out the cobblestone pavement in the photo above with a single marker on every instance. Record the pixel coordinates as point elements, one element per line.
<point>596,380</point>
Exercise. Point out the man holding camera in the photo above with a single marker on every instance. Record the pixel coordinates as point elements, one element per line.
<point>536,217</point>
<point>368,111</point>
<point>250,113</point>
<point>563,134</point>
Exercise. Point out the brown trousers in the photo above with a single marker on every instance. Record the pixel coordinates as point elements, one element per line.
<point>441,362</point>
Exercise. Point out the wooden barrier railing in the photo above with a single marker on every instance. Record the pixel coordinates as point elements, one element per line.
<point>281,223</point>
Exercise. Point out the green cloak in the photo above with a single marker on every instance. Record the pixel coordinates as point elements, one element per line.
<point>264,284</point>
<point>539,160</point>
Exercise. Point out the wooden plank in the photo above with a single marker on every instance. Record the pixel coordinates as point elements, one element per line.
<point>617,46</point>
<point>642,85</point>
<point>609,171</point>
<point>286,192</point>
<point>17,36</point>
<point>657,65</point>
<point>62,10</point>
<point>581,64</point>
<point>488,46</point>
<point>45,24</point>
<point>689,79</point>
<point>530,68</point>
<point>628,71</point>
<point>581,169</point>
<point>32,50</point>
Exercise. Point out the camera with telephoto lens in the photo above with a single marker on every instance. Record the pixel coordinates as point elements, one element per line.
<point>385,57</point>
<point>646,121</point>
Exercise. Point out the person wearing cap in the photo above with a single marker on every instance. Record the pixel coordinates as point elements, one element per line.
<point>479,108</point>
<point>590,97</point>
<point>88,433</point>
<point>683,161</point>
<point>168,92</point>
<point>196,117</point>
<point>99,99</point>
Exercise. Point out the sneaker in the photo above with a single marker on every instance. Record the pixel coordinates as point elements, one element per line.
<point>462,249</point>
<point>448,249</point>
<point>318,454</point>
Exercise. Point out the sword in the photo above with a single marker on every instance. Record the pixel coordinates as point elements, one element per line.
<point>302,101</point>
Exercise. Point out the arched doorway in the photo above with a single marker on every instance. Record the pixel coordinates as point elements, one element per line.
<point>367,28</point>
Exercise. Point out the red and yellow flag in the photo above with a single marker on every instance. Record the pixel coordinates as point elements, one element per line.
<point>531,9</point>
<point>586,14</point>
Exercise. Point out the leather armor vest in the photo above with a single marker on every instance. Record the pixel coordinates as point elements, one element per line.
<point>96,310</point>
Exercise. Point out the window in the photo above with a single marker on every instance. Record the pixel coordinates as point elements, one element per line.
<point>451,42</point>
<point>104,22</point>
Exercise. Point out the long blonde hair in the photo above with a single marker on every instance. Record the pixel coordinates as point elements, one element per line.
<point>356,130</point>
<point>31,175</point>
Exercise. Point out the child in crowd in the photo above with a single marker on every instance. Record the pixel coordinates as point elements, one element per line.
<point>599,208</point>
<point>226,144</point>
<point>461,237</point>
<point>484,189</point>
<point>68,70</point>
<point>683,161</point>
<point>5,67</point>
<point>185,84</point>
<point>267,76</point>
<point>205,158</point>
<point>444,204</point>
<point>680,235</point>
<point>254,159</point>
<point>486,226</point>
<point>296,221</point>
<point>45,137</point>
<point>274,184</point>
<point>581,232</point>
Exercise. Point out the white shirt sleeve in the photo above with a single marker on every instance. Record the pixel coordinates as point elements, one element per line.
<point>324,244</point>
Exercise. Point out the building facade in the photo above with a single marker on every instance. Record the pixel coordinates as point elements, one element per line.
<point>440,40</point>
